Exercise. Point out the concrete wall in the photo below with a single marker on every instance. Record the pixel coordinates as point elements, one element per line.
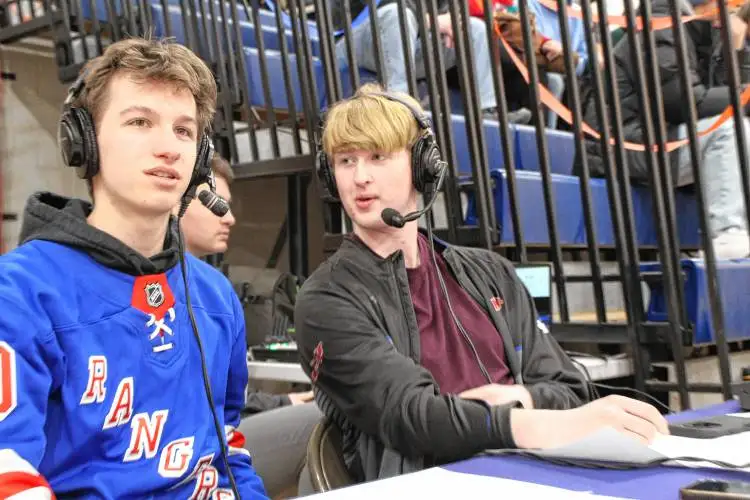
<point>28,145</point>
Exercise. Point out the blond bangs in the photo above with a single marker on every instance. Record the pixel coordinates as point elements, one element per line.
<point>369,123</point>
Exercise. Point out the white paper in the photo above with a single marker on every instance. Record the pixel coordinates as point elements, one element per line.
<point>608,445</point>
<point>441,483</point>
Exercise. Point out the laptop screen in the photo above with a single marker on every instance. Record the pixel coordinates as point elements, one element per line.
<point>538,280</point>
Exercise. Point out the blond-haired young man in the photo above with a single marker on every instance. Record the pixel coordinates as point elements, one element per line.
<point>123,365</point>
<point>424,355</point>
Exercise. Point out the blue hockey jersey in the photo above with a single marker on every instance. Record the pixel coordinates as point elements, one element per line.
<point>101,389</point>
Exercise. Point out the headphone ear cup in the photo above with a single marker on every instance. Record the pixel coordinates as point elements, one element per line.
<point>425,161</point>
<point>325,177</point>
<point>90,165</point>
<point>202,167</point>
<point>76,137</point>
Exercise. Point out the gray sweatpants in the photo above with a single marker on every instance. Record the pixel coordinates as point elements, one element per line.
<point>277,442</point>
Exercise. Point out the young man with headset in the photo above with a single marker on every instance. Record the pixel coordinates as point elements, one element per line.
<point>122,359</point>
<point>276,427</point>
<point>423,352</point>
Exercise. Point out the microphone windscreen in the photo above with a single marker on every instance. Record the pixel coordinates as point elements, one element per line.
<point>392,217</point>
<point>215,203</point>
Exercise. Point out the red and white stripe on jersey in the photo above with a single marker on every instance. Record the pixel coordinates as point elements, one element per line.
<point>19,480</point>
<point>236,441</point>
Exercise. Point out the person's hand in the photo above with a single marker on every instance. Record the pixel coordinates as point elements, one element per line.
<point>541,428</point>
<point>497,394</point>
<point>551,49</point>
<point>298,398</point>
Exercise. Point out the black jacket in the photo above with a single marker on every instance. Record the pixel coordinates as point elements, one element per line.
<point>359,342</point>
<point>711,99</point>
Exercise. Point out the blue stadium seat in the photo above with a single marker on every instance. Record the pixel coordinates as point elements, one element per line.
<point>735,296</point>
<point>643,211</point>
<point>569,211</point>
<point>532,212</point>
<point>561,150</point>
<point>276,80</point>
<point>247,30</point>
<point>492,144</point>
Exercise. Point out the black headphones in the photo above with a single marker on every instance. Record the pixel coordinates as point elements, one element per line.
<point>427,164</point>
<point>76,138</point>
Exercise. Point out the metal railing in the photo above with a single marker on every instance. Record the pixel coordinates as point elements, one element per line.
<point>279,69</point>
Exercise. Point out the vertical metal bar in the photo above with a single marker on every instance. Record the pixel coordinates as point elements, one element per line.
<point>327,54</point>
<point>714,297</point>
<point>167,18</point>
<point>349,40</point>
<point>96,25</point>
<point>114,23</point>
<point>730,56</point>
<point>296,184</point>
<point>297,201</point>
<point>403,23</point>
<point>331,41</point>
<point>474,127</point>
<point>244,81</point>
<point>294,122</point>
<point>188,14</point>
<point>304,62</point>
<point>541,141</point>
<point>505,135</point>
<point>621,208</point>
<point>270,110</point>
<point>670,285</point>
<point>667,187</point>
<point>441,116</point>
<point>585,179</point>
<point>379,63</point>
<point>227,16</point>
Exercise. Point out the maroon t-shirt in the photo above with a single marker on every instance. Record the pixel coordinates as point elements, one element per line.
<point>444,350</point>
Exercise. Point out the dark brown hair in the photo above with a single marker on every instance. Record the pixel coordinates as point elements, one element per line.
<point>147,60</point>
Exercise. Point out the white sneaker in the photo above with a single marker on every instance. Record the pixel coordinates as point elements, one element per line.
<point>733,243</point>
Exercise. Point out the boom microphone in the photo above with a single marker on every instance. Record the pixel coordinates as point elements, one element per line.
<point>215,203</point>
<point>393,218</point>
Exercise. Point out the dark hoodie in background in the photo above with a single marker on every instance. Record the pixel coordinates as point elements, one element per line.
<point>711,99</point>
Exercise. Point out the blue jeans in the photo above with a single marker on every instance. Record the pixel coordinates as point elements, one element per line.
<point>393,52</point>
<point>721,173</point>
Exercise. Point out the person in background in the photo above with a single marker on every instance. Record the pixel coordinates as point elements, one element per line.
<point>276,427</point>
<point>718,150</point>
<point>389,33</point>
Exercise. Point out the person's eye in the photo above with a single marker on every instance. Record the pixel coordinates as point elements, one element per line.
<point>139,122</point>
<point>185,132</point>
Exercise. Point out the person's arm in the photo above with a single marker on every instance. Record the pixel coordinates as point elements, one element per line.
<point>257,401</point>
<point>709,101</point>
<point>31,367</point>
<point>347,353</point>
<point>548,373</point>
<point>248,482</point>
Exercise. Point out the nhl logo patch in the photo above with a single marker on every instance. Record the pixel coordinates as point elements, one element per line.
<point>154,295</point>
